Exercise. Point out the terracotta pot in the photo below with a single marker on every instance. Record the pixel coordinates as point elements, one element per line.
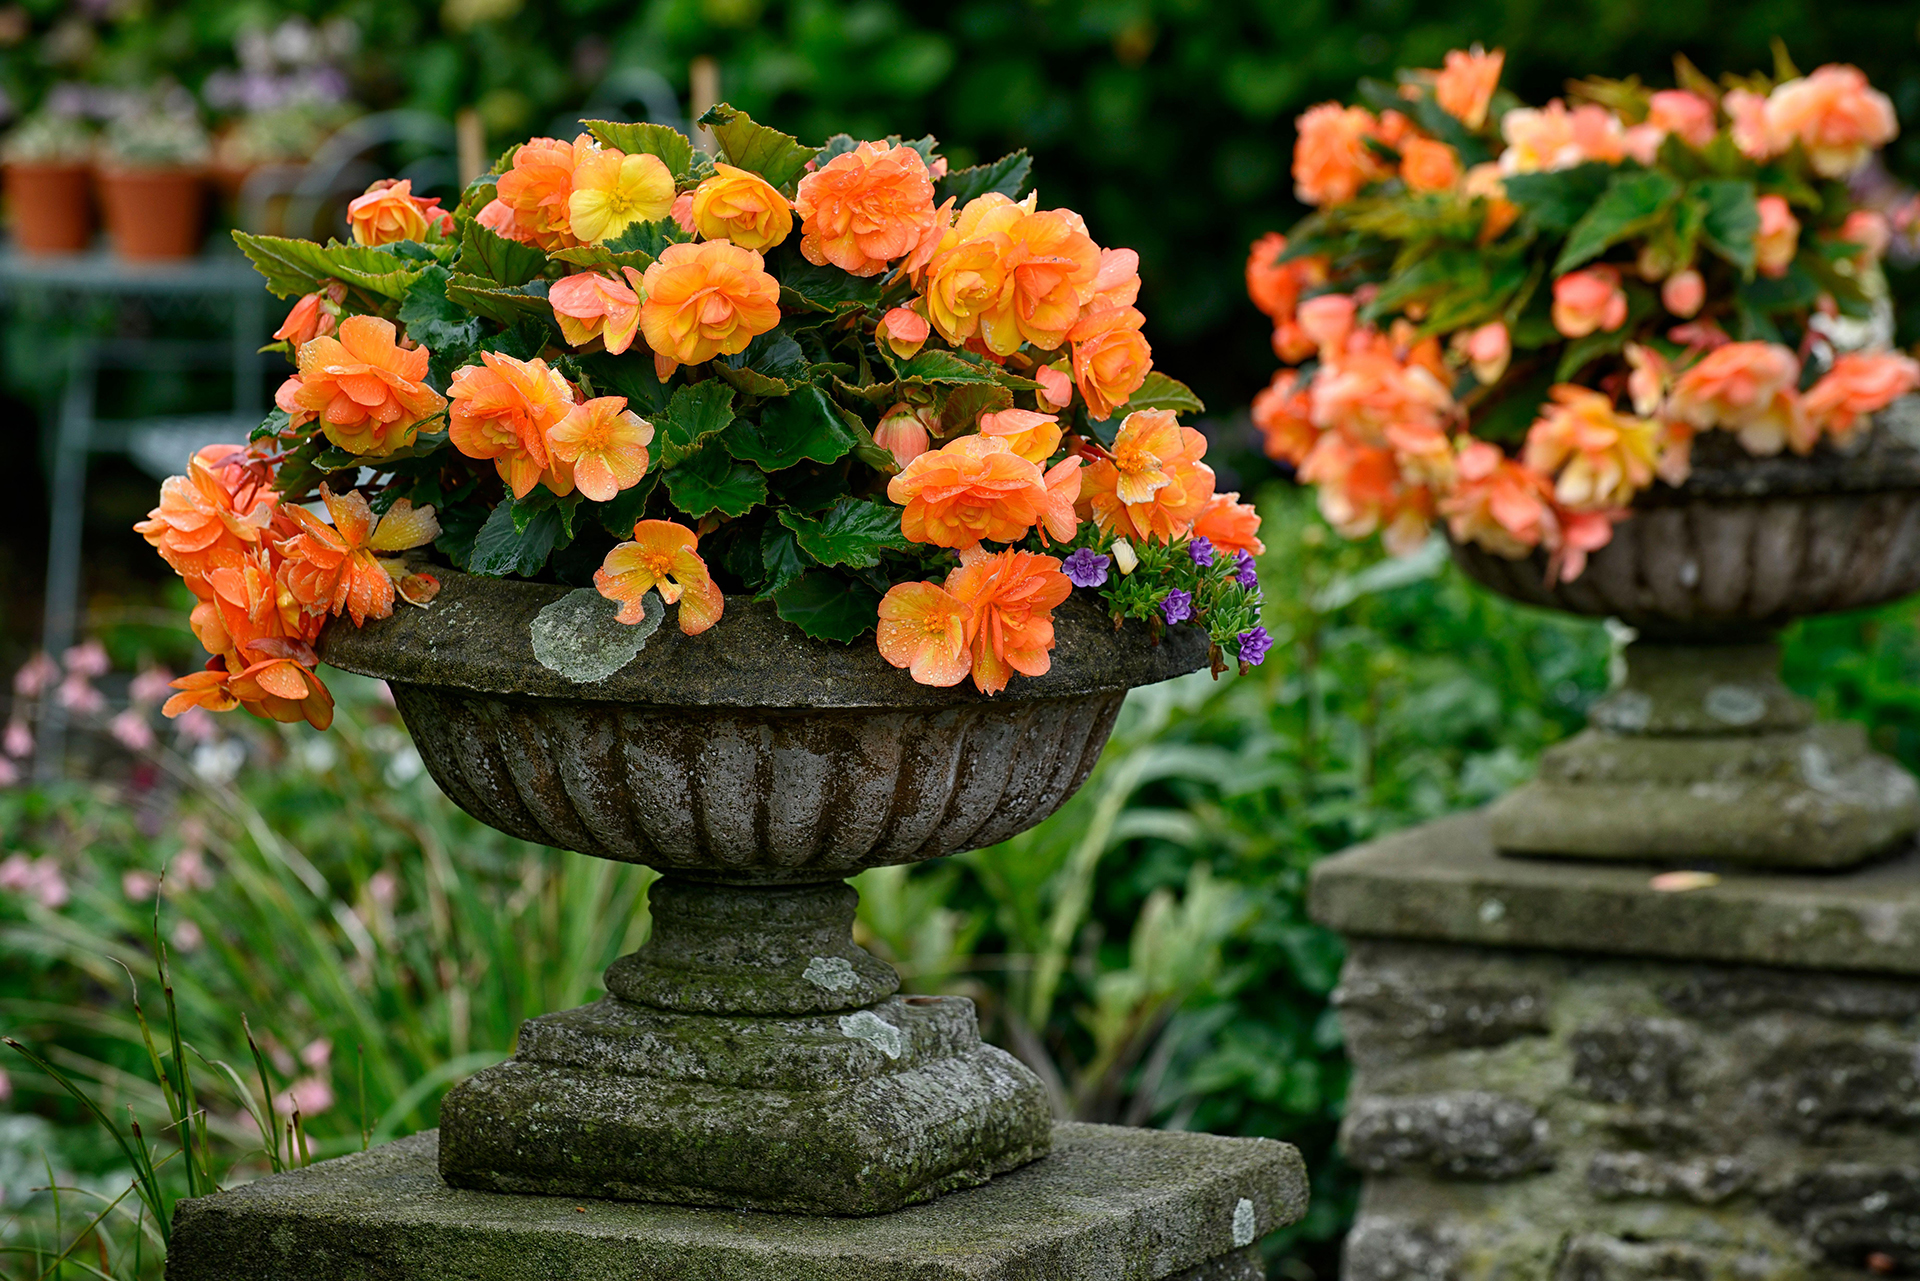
<point>154,213</point>
<point>51,205</point>
<point>751,1055</point>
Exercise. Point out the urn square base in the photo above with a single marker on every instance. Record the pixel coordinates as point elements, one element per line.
<point>1108,1204</point>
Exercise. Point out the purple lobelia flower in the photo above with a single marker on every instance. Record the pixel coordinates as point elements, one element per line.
<point>1177,607</point>
<point>1244,571</point>
<point>1254,646</point>
<point>1085,568</point>
<point>1201,549</point>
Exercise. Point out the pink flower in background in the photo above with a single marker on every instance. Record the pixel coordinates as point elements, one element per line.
<point>152,685</point>
<point>1497,502</point>
<point>130,728</point>
<point>35,676</point>
<point>1778,239</point>
<point>37,878</point>
<point>1869,229</point>
<point>77,694</point>
<point>17,741</point>
<point>88,659</point>
<point>187,937</point>
<point>1538,138</point>
<point>383,887</point>
<point>196,725</point>
<point>1835,115</point>
<point>1745,387</point>
<point>1687,116</point>
<point>1327,321</point>
<point>1589,300</point>
<point>6,1088</point>
<point>188,870</point>
<point>139,886</point>
<point>1488,350</point>
<point>8,774</point>
<point>1571,536</point>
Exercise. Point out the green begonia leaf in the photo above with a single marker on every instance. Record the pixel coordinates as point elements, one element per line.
<point>673,147</point>
<point>301,267</point>
<point>1633,202</point>
<point>804,425</point>
<point>934,365</point>
<point>503,546</point>
<point>829,606</point>
<point>433,320</point>
<point>711,481</point>
<point>853,532</point>
<point>502,306</point>
<point>775,156</point>
<point>1730,218</point>
<point>1555,201</point>
<point>602,259</point>
<point>695,414</point>
<point>1007,175</point>
<point>649,238</point>
<point>1161,392</point>
<point>961,408</point>
<point>780,558</point>
<point>493,258</point>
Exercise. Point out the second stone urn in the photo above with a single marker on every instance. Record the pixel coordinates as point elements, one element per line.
<point>750,1055</point>
<point>1702,753</point>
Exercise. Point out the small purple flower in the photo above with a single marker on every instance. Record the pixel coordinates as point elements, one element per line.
<point>1177,607</point>
<point>1086,568</point>
<point>1245,572</point>
<point>1254,646</point>
<point>1201,549</point>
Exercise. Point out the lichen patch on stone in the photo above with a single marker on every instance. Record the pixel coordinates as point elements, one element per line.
<point>833,973</point>
<point>578,637</point>
<point>1243,1224</point>
<point>865,1025</point>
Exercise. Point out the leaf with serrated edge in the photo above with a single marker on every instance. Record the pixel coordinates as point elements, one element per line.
<point>775,156</point>
<point>932,365</point>
<point>780,556</point>
<point>695,414</point>
<point>1730,218</point>
<point>500,548</point>
<point>302,267</point>
<point>646,139</point>
<point>829,606</point>
<point>1631,204</point>
<point>711,481</point>
<point>853,533</point>
<point>493,258</point>
<point>1007,175</point>
<point>791,428</point>
<point>1162,392</point>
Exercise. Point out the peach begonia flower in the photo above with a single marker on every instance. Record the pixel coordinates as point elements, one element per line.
<point>742,207</point>
<point>865,208</point>
<point>369,393</point>
<point>1464,86</point>
<point>1748,388</point>
<point>905,331</point>
<point>1056,385</point>
<point>1549,138</point>
<point>315,315</point>
<point>503,409</point>
<point>1111,359</point>
<point>1152,484</point>
<point>1366,392</point>
<point>1572,535</point>
<point>588,306</point>
<point>1230,525</point>
<point>1012,595</point>
<point>1428,165</point>
<point>202,515</point>
<point>249,603</point>
<point>389,212</point>
<point>1870,230</point>
<point>335,568</point>
<point>1752,134</point>
<point>1327,321</point>
<point>612,190</point>
<point>1361,491</point>
<point>1011,274</point>
<point>1117,282</point>
<point>1060,518</point>
<point>1393,129</point>
<point>1500,503</point>
<point>661,558</point>
<point>538,190</point>
<point>971,489</point>
<point>606,445</point>
<point>1488,350</point>
<point>903,431</point>
<point>1835,115</point>
<point>925,630</point>
<point>1331,158</point>
<point>1598,458</point>
<point>706,300</point>
<point>1684,293</point>
<point>1860,383</point>
<point>1032,436</point>
<point>1588,300</point>
<point>682,212</point>
<point>1683,114</point>
<point>498,217</point>
<point>1271,283</point>
<point>278,683</point>
<point>1778,239</point>
<point>1283,413</point>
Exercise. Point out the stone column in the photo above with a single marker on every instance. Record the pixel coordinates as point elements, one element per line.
<point>1562,1072</point>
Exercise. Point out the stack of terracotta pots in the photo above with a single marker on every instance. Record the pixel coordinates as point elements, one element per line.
<point>153,201</point>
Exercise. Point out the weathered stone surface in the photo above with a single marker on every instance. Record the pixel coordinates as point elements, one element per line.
<point>1601,1258</point>
<point>1384,1249</point>
<point>1108,1205</point>
<point>1639,1061</point>
<point>1444,882</point>
<point>1425,1001</point>
<point>1851,1212</point>
<point>1816,1087</point>
<point>1720,994</point>
<point>1467,1134</point>
<point>1618,1176</point>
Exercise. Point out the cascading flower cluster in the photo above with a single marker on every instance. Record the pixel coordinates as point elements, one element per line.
<point>1518,319</point>
<point>885,396</point>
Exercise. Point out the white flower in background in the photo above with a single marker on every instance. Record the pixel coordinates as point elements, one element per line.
<point>216,763</point>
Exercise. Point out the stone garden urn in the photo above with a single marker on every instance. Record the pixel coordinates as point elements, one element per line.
<point>750,1055</point>
<point>1702,753</point>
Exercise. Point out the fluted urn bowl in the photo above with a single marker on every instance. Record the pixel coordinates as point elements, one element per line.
<point>750,1055</point>
<point>1703,753</point>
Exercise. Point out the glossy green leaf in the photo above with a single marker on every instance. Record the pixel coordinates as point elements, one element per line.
<point>493,258</point>
<point>1161,392</point>
<point>1555,201</point>
<point>829,606</point>
<point>804,425</point>
<point>935,365</point>
<point>780,558</point>
<point>853,532</point>
<point>695,414</point>
<point>649,238</point>
<point>434,320</point>
<point>1729,219</point>
<point>504,547</point>
<point>775,156</point>
<point>674,148</point>
<point>602,259</point>
<point>1632,203</point>
<point>961,407</point>
<point>502,306</point>
<point>712,481</point>
<point>826,288</point>
<point>1007,175</point>
<point>293,267</point>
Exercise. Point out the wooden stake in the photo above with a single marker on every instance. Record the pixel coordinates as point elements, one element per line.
<point>703,91</point>
<point>470,141</point>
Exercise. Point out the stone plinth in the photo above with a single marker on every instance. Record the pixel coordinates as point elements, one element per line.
<point>1562,1073</point>
<point>1109,1204</point>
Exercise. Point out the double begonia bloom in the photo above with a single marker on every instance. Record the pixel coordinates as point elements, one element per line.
<point>926,630</point>
<point>337,568</point>
<point>1541,140</point>
<point>865,208</point>
<point>1748,388</point>
<point>1361,490</point>
<point>1032,436</point>
<point>369,393</point>
<point>280,684</point>
<point>1683,114</point>
<point>389,212</point>
<point>903,431</point>
<point>706,300</point>
<point>1060,518</point>
<point>1331,158</point>
<point>202,515</point>
<point>588,306</point>
<point>1366,393</point>
<point>742,207</point>
<point>1327,321</point>
<point>1684,293</point>
<point>1428,165</point>
<point>1117,282</point>
<point>1012,595</point>
<point>1152,484</point>
<point>1752,135</point>
<point>1271,283</point>
<point>1835,115</point>
<point>1860,383</point>
<point>612,190</point>
<point>1778,239</point>
<point>1588,300</point>
<point>1230,525</point>
<point>502,410</point>
<point>662,558</point>
<point>537,190</point>
<point>1500,503</point>
<point>606,445</point>
<point>1598,458</point>
<point>971,489</point>
<point>1464,85</point>
<point>1111,359</point>
<point>1011,274</point>
<point>1283,413</point>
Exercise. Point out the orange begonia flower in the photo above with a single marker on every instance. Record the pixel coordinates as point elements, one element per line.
<point>1230,524</point>
<point>390,212</point>
<point>1778,239</point>
<point>1013,594</point>
<point>1111,359</point>
<point>1153,483</point>
<point>1283,411</point>
<point>1599,458</point>
<point>973,488</point>
<point>742,207</point>
<point>1331,158</point>
<point>612,190</point>
<point>1835,114</point>
<point>1498,502</point>
<point>1859,383</point>
<point>904,331</point>
<point>279,684</point>
<point>1059,517</point>
<point>589,305</point>
<point>334,568</point>
<point>1749,388</point>
<point>1032,436</point>
<point>1117,282</point>
<point>1428,165</point>
<point>661,558</point>
<point>706,300</point>
<point>538,189</point>
<point>503,409</point>
<point>926,630</point>
<point>201,514</point>
<point>206,689</point>
<point>903,431</point>
<point>1010,275</point>
<point>1362,489</point>
<point>1464,87</point>
<point>863,209</point>
<point>314,315</point>
<point>606,443</point>
<point>369,393</point>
